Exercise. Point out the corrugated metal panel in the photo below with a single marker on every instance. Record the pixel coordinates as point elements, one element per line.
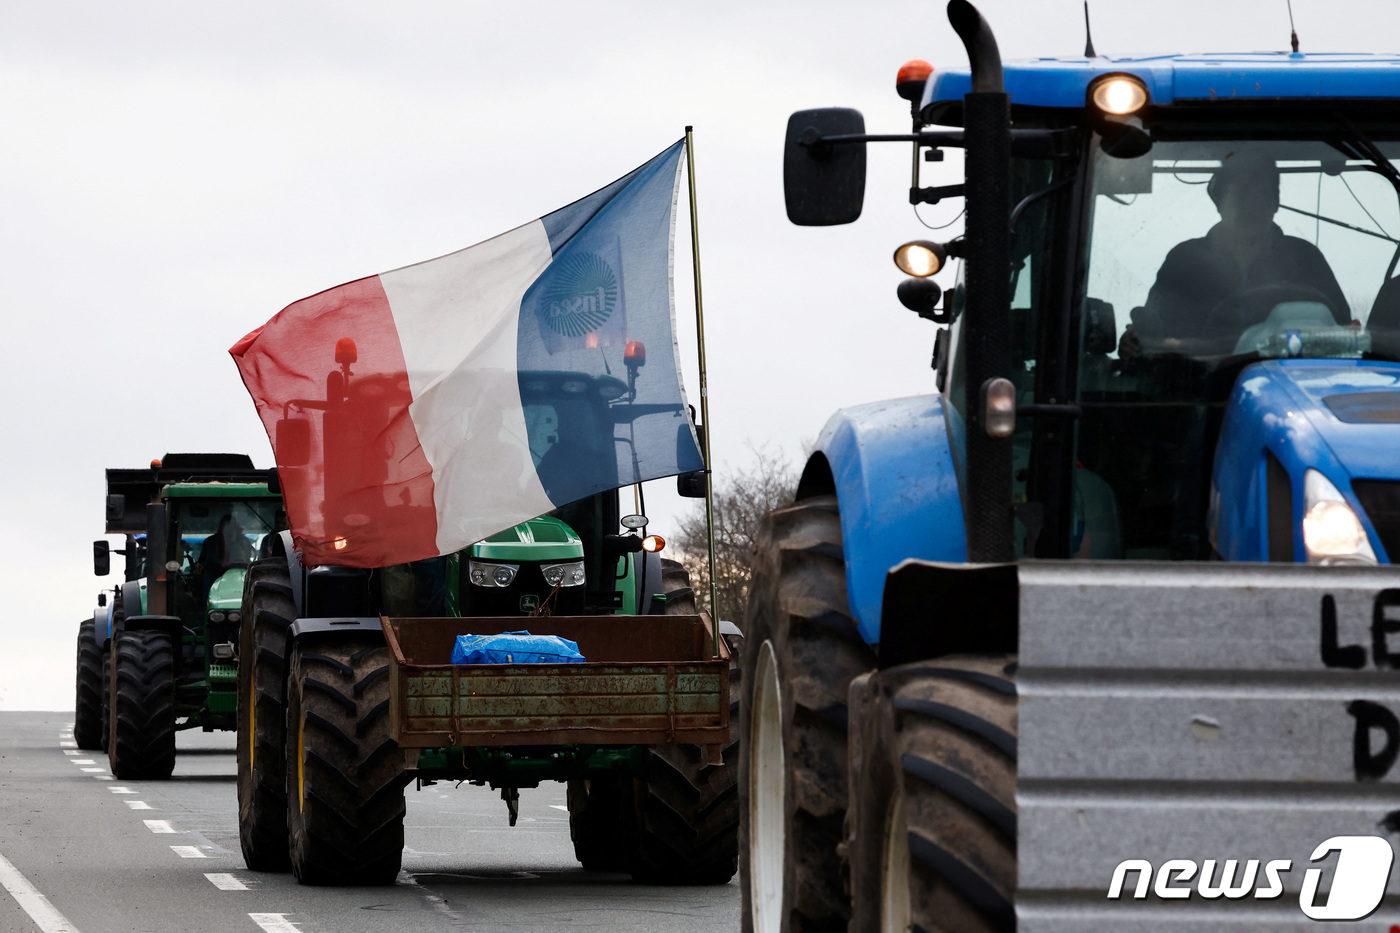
<point>1199,711</point>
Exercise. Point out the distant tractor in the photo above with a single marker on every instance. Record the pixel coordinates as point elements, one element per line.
<point>163,655</point>
<point>349,692</point>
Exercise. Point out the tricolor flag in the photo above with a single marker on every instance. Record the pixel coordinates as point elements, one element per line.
<point>415,412</point>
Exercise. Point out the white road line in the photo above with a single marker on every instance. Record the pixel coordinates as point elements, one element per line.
<point>34,903</point>
<point>188,851</point>
<point>118,789</point>
<point>225,882</point>
<point>274,923</point>
<point>70,751</point>
<point>138,804</point>
<point>104,777</point>
<point>84,761</point>
<point>96,770</point>
<point>67,743</point>
<point>157,826</point>
<point>555,806</point>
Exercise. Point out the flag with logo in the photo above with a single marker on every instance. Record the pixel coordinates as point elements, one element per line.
<point>418,411</point>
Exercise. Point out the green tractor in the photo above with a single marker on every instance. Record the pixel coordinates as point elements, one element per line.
<point>163,655</point>
<point>348,693</point>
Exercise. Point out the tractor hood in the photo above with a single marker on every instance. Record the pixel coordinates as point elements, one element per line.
<point>1339,417</point>
<point>227,591</point>
<point>1354,405</point>
<point>539,539</point>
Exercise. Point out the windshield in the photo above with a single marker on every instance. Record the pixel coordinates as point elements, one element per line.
<point>1205,255</point>
<point>1209,249</point>
<point>217,535</point>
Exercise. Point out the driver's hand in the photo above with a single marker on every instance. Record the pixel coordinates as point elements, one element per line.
<point>1129,346</point>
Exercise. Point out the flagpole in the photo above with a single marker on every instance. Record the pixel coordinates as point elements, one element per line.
<point>704,389</point>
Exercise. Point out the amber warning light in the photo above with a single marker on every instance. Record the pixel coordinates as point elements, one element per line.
<point>912,77</point>
<point>635,354</point>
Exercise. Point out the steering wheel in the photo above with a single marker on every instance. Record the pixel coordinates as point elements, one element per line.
<point>1250,306</point>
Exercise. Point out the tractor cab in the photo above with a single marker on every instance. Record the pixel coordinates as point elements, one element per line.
<point>1173,250</point>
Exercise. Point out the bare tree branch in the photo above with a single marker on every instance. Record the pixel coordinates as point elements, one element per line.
<point>741,501</point>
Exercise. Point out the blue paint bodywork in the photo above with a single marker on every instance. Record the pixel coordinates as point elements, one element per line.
<point>1063,82</point>
<point>898,493</point>
<point>1278,406</point>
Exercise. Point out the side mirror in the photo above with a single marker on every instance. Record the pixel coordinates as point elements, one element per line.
<point>101,558</point>
<point>102,599</point>
<point>274,482</point>
<point>691,485</point>
<point>823,183</point>
<point>292,442</point>
<point>116,507</point>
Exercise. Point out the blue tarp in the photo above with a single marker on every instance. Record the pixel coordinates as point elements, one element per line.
<point>515,648</point>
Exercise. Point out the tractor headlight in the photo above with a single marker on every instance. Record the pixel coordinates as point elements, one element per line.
<point>491,574</point>
<point>1119,95</point>
<point>218,615</point>
<point>235,616</point>
<point>570,574</point>
<point>1332,533</point>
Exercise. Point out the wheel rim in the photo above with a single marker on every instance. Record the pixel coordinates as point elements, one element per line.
<point>894,871</point>
<point>767,830</point>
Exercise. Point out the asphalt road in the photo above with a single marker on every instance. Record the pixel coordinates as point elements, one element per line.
<point>163,856</point>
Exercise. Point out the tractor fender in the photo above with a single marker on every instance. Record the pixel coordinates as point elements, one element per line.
<point>102,625</point>
<point>174,626</point>
<point>361,626</point>
<point>890,465</point>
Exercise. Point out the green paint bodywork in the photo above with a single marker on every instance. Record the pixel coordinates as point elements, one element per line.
<point>227,591</point>
<point>524,766</point>
<point>539,539</point>
<point>218,491</point>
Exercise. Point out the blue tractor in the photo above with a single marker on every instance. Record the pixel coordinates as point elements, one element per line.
<point>1118,597</point>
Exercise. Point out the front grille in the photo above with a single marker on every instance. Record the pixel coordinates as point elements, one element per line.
<point>1381,500</point>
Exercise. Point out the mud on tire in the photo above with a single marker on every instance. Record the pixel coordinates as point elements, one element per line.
<point>268,614</point>
<point>142,743</point>
<point>934,768</point>
<point>345,775</point>
<point>87,712</point>
<point>801,650</point>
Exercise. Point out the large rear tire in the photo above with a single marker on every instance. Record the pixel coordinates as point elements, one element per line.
<point>345,775</point>
<point>802,649</point>
<point>687,810</point>
<point>87,710</point>
<point>106,698</point>
<point>933,817</point>
<point>268,614</point>
<point>142,744</point>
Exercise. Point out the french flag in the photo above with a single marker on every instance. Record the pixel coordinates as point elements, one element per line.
<point>416,412</point>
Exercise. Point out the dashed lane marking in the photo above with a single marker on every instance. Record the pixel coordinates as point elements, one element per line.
<point>67,743</point>
<point>138,804</point>
<point>84,761</point>
<point>93,770</point>
<point>555,806</point>
<point>158,826</point>
<point>70,751</point>
<point>188,851</point>
<point>35,904</point>
<point>103,777</point>
<point>225,882</point>
<point>274,923</point>
<point>118,789</point>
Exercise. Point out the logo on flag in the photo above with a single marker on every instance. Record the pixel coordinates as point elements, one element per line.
<point>580,303</point>
<point>416,412</point>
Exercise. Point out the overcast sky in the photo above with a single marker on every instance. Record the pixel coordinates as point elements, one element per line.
<point>172,174</point>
